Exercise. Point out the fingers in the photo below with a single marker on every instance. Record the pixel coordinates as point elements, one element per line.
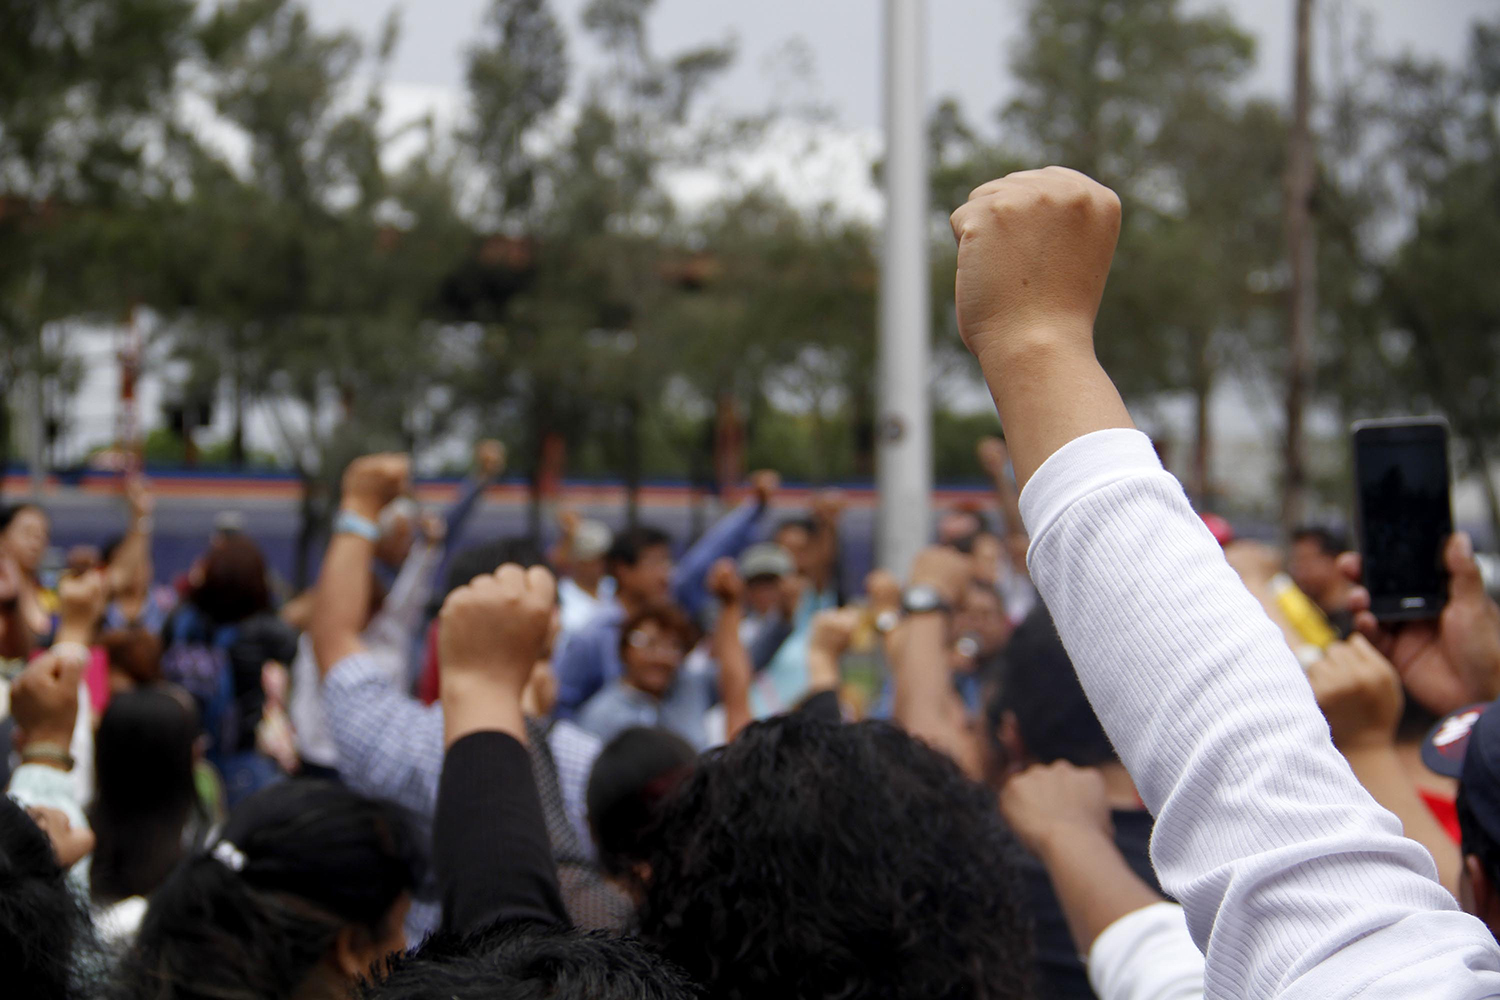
<point>542,585</point>
<point>1352,566</point>
<point>1465,582</point>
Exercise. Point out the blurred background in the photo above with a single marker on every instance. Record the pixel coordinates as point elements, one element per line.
<point>640,242</point>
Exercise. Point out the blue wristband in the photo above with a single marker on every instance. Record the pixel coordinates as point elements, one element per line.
<point>350,523</point>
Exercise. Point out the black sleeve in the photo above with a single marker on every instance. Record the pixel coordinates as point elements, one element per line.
<point>824,706</point>
<point>769,643</point>
<point>489,839</point>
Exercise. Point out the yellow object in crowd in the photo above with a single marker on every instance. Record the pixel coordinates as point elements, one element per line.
<point>1303,615</point>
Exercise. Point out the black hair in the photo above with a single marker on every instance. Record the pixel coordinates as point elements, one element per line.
<point>630,545</point>
<point>808,859</point>
<point>669,617</point>
<point>1328,541</point>
<point>10,512</point>
<point>234,581</point>
<point>254,916</point>
<point>1040,685</point>
<point>145,798</point>
<point>1475,840</point>
<point>486,557</point>
<point>45,933</point>
<point>528,962</point>
<point>632,776</point>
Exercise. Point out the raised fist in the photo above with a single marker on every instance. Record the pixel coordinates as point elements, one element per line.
<point>1034,249</point>
<point>828,507</point>
<point>883,591</point>
<point>489,458</point>
<point>833,630</point>
<point>724,582</point>
<point>496,628</point>
<point>1047,799</point>
<point>945,569</point>
<point>44,700</point>
<point>1360,694</point>
<point>766,484</point>
<point>81,600</point>
<point>373,481</point>
<point>138,495</point>
<point>434,529</point>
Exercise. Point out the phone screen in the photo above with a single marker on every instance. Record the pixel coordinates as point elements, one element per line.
<point>1405,514</point>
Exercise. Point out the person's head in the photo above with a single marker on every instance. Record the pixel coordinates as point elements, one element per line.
<point>1312,562</point>
<point>815,860</point>
<point>653,643</point>
<point>528,962</point>
<point>764,568</point>
<point>234,585</point>
<point>25,532</point>
<point>144,793</point>
<point>959,526</point>
<point>1466,745</point>
<point>398,531</point>
<point>591,544</point>
<point>486,557</point>
<point>640,560</point>
<point>1039,713</point>
<point>44,926</point>
<point>306,888</point>
<point>979,621</point>
<point>134,655</point>
<point>632,776</point>
<point>796,536</point>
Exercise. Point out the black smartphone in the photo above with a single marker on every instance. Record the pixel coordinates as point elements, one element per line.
<point>1404,511</point>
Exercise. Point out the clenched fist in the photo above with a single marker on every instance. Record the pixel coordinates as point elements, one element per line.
<point>1360,694</point>
<point>494,630</point>
<point>81,600</point>
<point>725,584</point>
<point>766,484</point>
<point>44,700</point>
<point>1034,249</point>
<point>1047,800</point>
<point>373,481</point>
<point>489,458</point>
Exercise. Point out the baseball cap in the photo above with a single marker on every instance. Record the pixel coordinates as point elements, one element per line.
<point>1466,745</point>
<point>591,540</point>
<point>229,522</point>
<point>1221,529</point>
<point>766,559</point>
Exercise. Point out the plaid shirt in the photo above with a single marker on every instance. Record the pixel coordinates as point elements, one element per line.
<point>390,746</point>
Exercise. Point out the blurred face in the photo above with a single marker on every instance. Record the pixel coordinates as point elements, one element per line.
<point>1314,571</point>
<point>981,618</point>
<point>652,657</point>
<point>957,526</point>
<point>797,541</point>
<point>763,594</point>
<point>650,579</point>
<point>26,539</point>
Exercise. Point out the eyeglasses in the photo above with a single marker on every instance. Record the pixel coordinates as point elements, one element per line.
<point>664,645</point>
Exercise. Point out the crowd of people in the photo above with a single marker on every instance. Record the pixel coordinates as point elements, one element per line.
<point>1087,745</point>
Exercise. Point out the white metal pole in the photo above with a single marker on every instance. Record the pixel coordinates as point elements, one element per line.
<point>905,429</point>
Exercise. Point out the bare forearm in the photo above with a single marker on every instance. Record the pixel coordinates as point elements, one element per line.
<point>925,705</point>
<point>1093,883</point>
<point>1048,395</point>
<point>1379,770</point>
<point>343,599</point>
<point>475,705</point>
<point>734,671</point>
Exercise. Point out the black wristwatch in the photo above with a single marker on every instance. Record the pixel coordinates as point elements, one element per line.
<point>923,600</point>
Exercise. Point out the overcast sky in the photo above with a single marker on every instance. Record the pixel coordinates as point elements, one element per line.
<point>968,41</point>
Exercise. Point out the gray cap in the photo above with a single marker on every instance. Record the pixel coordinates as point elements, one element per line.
<point>229,522</point>
<point>766,559</point>
<point>592,540</point>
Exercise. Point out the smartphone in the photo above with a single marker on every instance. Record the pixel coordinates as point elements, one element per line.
<point>1404,512</point>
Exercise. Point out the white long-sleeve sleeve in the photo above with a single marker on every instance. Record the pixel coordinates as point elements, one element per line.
<point>1295,883</point>
<point>1147,955</point>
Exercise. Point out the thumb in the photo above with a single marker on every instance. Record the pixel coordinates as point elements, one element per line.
<point>1465,581</point>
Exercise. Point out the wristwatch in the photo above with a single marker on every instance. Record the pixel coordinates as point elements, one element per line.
<point>921,599</point>
<point>887,621</point>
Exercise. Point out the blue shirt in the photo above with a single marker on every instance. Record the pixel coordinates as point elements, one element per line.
<point>590,658</point>
<point>619,706</point>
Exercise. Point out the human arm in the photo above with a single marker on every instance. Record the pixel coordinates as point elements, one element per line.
<point>728,650</point>
<point>1147,955</point>
<point>994,457</point>
<point>919,652</point>
<point>728,538</point>
<point>132,557</point>
<point>827,512</point>
<point>489,463</point>
<point>343,602</point>
<point>490,846</point>
<point>1360,694</point>
<point>402,612</point>
<point>1308,889</point>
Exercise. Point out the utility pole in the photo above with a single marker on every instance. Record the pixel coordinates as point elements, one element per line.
<point>904,427</point>
<point>1302,300</point>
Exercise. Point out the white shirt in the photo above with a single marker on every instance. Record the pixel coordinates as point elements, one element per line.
<point>1147,955</point>
<point>577,607</point>
<point>387,640</point>
<point>1294,882</point>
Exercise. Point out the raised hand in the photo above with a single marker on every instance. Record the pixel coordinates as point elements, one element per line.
<point>725,584</point>
<point>44,700</point>
<point>373,481</point>
<point>138,495</point>
<point>945,569</point>
<point>765,484</point>
<point>81,601</point>
<point>883,591</point>
<point>489,458</point>
<point>833,630</point>
<point>828,507</point>
<point>1359,692</point>
<point>1034,249</point>
<point>1448,663</point>
<point>1045,801</point>
<point>434,529</point>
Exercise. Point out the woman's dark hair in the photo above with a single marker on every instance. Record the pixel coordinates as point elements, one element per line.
<point>256,914</point>
<point>10,512</point>
<point>234,581</point>
<point>525,962</point>
<point>813,860</point>
<point>44,926</point>
<point>145,800</point>
<point>668,616</point>
<point>633,774</point>
<point>133,651</point>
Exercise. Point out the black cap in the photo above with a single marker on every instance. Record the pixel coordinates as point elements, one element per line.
<point>1466,745</point>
